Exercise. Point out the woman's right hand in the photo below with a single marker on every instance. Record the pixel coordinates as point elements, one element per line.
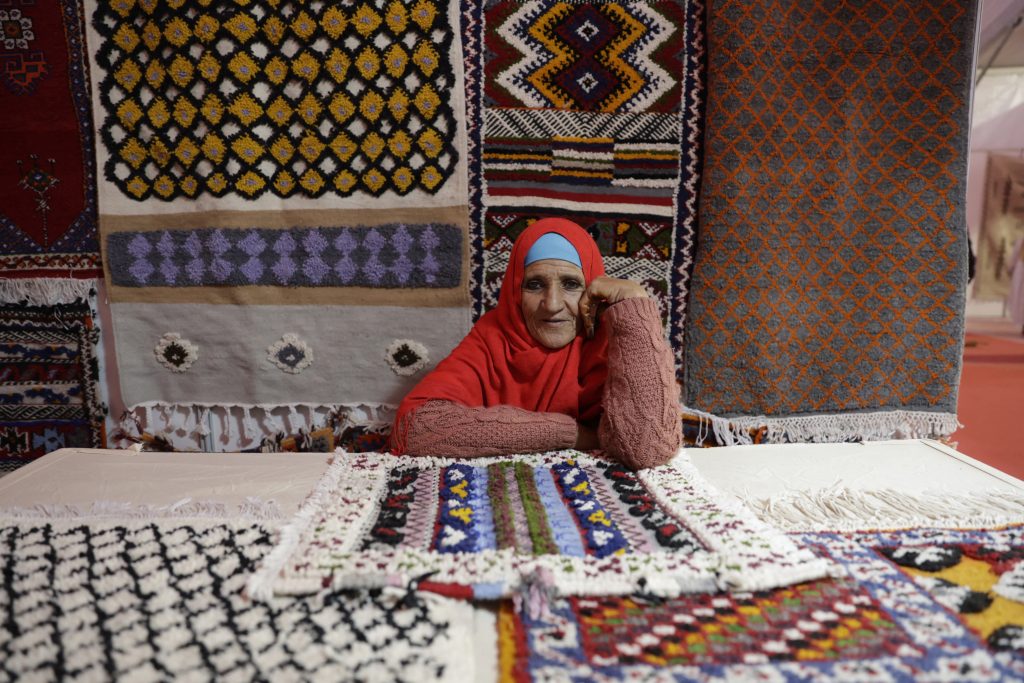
<point>605,291</point>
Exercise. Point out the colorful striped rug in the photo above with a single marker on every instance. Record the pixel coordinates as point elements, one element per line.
<point>564,523</point>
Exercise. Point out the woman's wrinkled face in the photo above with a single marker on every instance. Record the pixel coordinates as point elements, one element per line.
<point>551,296</point>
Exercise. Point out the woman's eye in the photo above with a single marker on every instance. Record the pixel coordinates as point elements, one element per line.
<point>533,285</point>
<point>572,285</point>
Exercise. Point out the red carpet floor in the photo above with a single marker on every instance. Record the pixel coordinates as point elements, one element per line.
<point>991,403</point>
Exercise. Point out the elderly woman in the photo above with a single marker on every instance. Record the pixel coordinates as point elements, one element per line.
<point>536,374</point>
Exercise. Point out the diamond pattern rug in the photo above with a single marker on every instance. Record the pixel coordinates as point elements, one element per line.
<point>828,293</point>
<point>283,206</point>
<point>915,605</point>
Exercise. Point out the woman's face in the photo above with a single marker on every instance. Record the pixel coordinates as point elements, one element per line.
<point>551,296</point>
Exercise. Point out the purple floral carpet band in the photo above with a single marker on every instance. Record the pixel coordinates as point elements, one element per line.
<point>386,256</point>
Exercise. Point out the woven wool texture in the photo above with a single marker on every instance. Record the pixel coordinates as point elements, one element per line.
<point>47,167</point>
<point>562,521</point>
<point>50,394</point>
<point>590,111</point>
<point>916,605</point>
<point>831,265</point>
<point>153,602</point>
<point>282,201</point>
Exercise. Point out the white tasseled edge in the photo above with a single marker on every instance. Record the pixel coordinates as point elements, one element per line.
<point>184,424</point>
<point>261,584</point>
<point>45,291</point>
<point>843,509</point>
<point>829,428</point>
<point>253,509</point>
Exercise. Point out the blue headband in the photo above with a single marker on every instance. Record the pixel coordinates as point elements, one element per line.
<point>552,245</point>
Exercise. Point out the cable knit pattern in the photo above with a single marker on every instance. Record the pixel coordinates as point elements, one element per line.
<point>449,429</point>
<point>640,426</point>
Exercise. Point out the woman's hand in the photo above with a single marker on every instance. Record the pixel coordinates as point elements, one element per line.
<point>608,291</point>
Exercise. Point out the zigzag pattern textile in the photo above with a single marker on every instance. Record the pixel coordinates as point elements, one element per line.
<point>916,605</point>
<point>590,111</point>
<point>567,522</point>
<point>154,602</point>
<point>47,166</point>
<point>223,98</point>
<point>49,382</point>
<point>828,293</point>
<point>279,179</point>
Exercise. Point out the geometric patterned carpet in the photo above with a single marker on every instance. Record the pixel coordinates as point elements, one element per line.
<point>157,602</point>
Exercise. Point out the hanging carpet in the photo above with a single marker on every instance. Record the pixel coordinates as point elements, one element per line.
<point>827,299</point>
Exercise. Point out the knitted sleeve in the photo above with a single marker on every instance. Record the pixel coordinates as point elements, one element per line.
<point>641,425</point>
<point>446,428</point>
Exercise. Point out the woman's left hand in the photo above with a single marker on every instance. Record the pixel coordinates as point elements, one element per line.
<point>606,290</point>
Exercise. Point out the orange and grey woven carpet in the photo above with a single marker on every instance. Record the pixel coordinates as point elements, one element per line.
<point>829,282</point>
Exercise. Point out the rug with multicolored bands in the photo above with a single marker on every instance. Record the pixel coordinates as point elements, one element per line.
<point>564,521</point>
<point>913,605</point>
<point>591,111</point>
<point>49,381</point>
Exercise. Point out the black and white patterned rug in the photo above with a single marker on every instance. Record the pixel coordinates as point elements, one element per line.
<point>161,601</point>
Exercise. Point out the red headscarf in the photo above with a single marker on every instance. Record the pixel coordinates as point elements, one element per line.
<point>500,363</point>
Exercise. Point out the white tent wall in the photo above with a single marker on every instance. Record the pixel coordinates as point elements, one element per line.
<point>997,114</point>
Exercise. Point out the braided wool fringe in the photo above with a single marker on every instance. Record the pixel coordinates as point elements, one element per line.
<point>45,291</point>
<point>172,420</point>
<point>842,509</point>
<point>844,427</point>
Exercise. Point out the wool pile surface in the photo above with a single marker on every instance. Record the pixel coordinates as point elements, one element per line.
<point>47,167</point>
<point>590,111</point>
<point>828,289</point>
<point>163,601</point>
<point>561,522</point>
<point>279,180</point>
<point>49,381</point>
<point>914,605</point>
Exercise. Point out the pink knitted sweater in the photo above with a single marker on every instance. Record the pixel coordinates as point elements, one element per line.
<point>640,426</point>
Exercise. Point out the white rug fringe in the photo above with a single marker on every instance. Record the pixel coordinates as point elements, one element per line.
<point>839,508</point>
<point>45,291</point>
<point>830,428</point>
<point>188,425</point>
<point>253,509</point>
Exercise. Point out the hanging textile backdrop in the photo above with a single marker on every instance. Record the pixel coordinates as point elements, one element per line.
<point>589,111</point>
<point>283,205</point>
<point>47,168</point>
<point>828,291</point>
<point>50,395</point>
<point>1002,226</point>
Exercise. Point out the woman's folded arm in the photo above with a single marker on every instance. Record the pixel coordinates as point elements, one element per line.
<point>641,424</point>
<point>446,428</point>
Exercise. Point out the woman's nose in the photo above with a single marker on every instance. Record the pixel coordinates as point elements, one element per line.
<point>552,299</point>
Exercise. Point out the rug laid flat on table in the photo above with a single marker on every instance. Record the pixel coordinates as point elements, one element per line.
<point>163,601</point>
<point>916,605</point>
<point>828,290</point>
<point>563,521</point>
